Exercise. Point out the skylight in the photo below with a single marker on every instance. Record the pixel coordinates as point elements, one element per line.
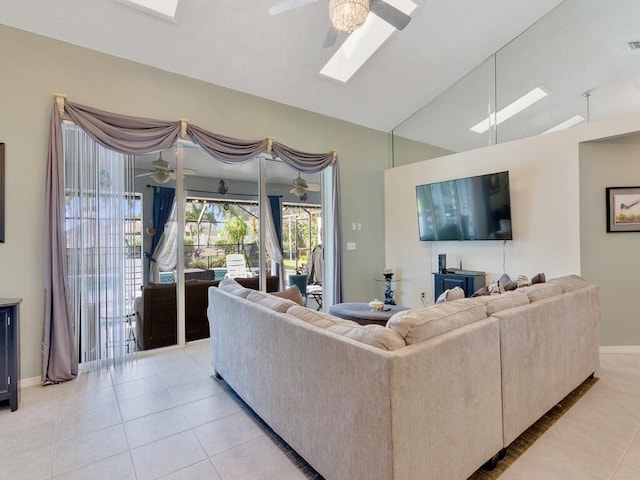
<point>576,119</point>
<point>167,8</point>
<point>510,110</point>
<point>362,43</point>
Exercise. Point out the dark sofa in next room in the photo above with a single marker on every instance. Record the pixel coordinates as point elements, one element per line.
<point>156,314</point>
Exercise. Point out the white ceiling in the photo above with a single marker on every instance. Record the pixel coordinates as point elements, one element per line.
<point>237,44</point>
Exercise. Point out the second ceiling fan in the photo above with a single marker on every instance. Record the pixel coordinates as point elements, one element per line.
<point>161,172</point>
<point>348,15</point>
<point>300,187</point>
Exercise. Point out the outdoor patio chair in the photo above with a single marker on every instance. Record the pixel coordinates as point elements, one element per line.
<point>237,266</point>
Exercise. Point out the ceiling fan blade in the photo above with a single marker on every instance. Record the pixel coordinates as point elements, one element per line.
<point>389,14</point>
<point>290,5</point>
<point>145,174</point>
<point>313,187</point>
<point>189,171</point>
<point>331,37</point>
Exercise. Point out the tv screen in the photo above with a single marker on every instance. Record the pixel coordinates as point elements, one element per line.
<point>473,208</point>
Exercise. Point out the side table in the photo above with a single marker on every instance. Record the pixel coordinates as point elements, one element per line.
<point>361,313</point>
<point>10,351</point>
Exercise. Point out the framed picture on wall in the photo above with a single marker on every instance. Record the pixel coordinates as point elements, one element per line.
<point>623,209</point>
<point>2,184</point>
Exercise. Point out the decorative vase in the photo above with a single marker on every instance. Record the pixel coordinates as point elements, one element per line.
<point>388,293</point>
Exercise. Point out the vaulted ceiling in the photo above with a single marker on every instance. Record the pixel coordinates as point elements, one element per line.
<point>443,59</point>
<point>237,44</point>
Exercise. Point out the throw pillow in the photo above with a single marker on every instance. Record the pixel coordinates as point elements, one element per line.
<point>523,281</point>
<point>495,288</point>
<point>292,293</point>
<point>482,291</point>
<point>450,294</point>
<point>538,278</point>
<point>507,283</point>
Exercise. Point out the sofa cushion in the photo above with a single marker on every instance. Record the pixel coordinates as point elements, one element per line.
<point>569,283</point>
<point>292,293</point>
<point>496,303</point>
<point>541,290</point>
<point>374,335</point>
<point>319,319</point>
<point>229,285</point>
<point>420,324</point>
<point>271,301</point>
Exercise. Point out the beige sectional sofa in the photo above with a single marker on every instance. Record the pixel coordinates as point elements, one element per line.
<point>434,395</point>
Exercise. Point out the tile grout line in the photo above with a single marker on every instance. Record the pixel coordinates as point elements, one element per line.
<point>55,429</point>
<point>124,431</point>
<point>626,452</point>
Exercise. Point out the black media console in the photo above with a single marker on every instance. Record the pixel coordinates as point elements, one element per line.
<point>9,351</point>
<point>467,280</point>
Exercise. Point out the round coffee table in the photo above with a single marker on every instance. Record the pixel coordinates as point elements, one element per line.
<point>361,313</point>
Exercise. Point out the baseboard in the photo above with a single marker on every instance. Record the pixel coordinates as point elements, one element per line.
<point>620,349</point>
<point>29,382</point>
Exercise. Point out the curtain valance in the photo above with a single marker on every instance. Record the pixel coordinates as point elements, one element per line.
<point>226,149</point>
<point>122,133</point>
<point>133,135</point>
<point>303,161</point>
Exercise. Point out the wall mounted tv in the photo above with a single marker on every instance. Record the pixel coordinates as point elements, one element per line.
<point>473,208</point>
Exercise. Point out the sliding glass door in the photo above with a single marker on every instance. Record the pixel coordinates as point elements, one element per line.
<point>259,221</point>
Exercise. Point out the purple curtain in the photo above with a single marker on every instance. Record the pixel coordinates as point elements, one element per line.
<point>122,133</point>
<point>117,132</point>
<point>227,149</point>
<point>134,135</point>
<point>59,354</point>
<point>302,161</point>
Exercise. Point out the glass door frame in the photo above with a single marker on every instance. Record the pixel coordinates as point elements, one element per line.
<point>327,228</point>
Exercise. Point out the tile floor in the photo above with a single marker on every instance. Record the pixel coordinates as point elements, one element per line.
<point>164,417</point>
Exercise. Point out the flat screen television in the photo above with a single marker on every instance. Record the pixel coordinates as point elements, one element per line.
<point>472,208</point>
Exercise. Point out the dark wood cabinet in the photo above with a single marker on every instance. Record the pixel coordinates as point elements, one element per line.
<point>467,280</point>
<point>9,351</point>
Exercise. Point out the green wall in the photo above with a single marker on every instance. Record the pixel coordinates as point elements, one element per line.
<point>610,260</point>
<point>405,151</point>
<point>36,67</point>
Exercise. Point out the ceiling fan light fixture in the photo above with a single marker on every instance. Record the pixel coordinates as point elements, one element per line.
<point>161,177</point>
<point>298,190</point>
<point>348,15</point>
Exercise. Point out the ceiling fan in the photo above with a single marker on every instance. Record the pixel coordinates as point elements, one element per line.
<point>162,173</point>
<point>380,8</point>
<point>301,187</point>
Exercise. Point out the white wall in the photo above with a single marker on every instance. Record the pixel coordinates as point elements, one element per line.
<point>545,201</point>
